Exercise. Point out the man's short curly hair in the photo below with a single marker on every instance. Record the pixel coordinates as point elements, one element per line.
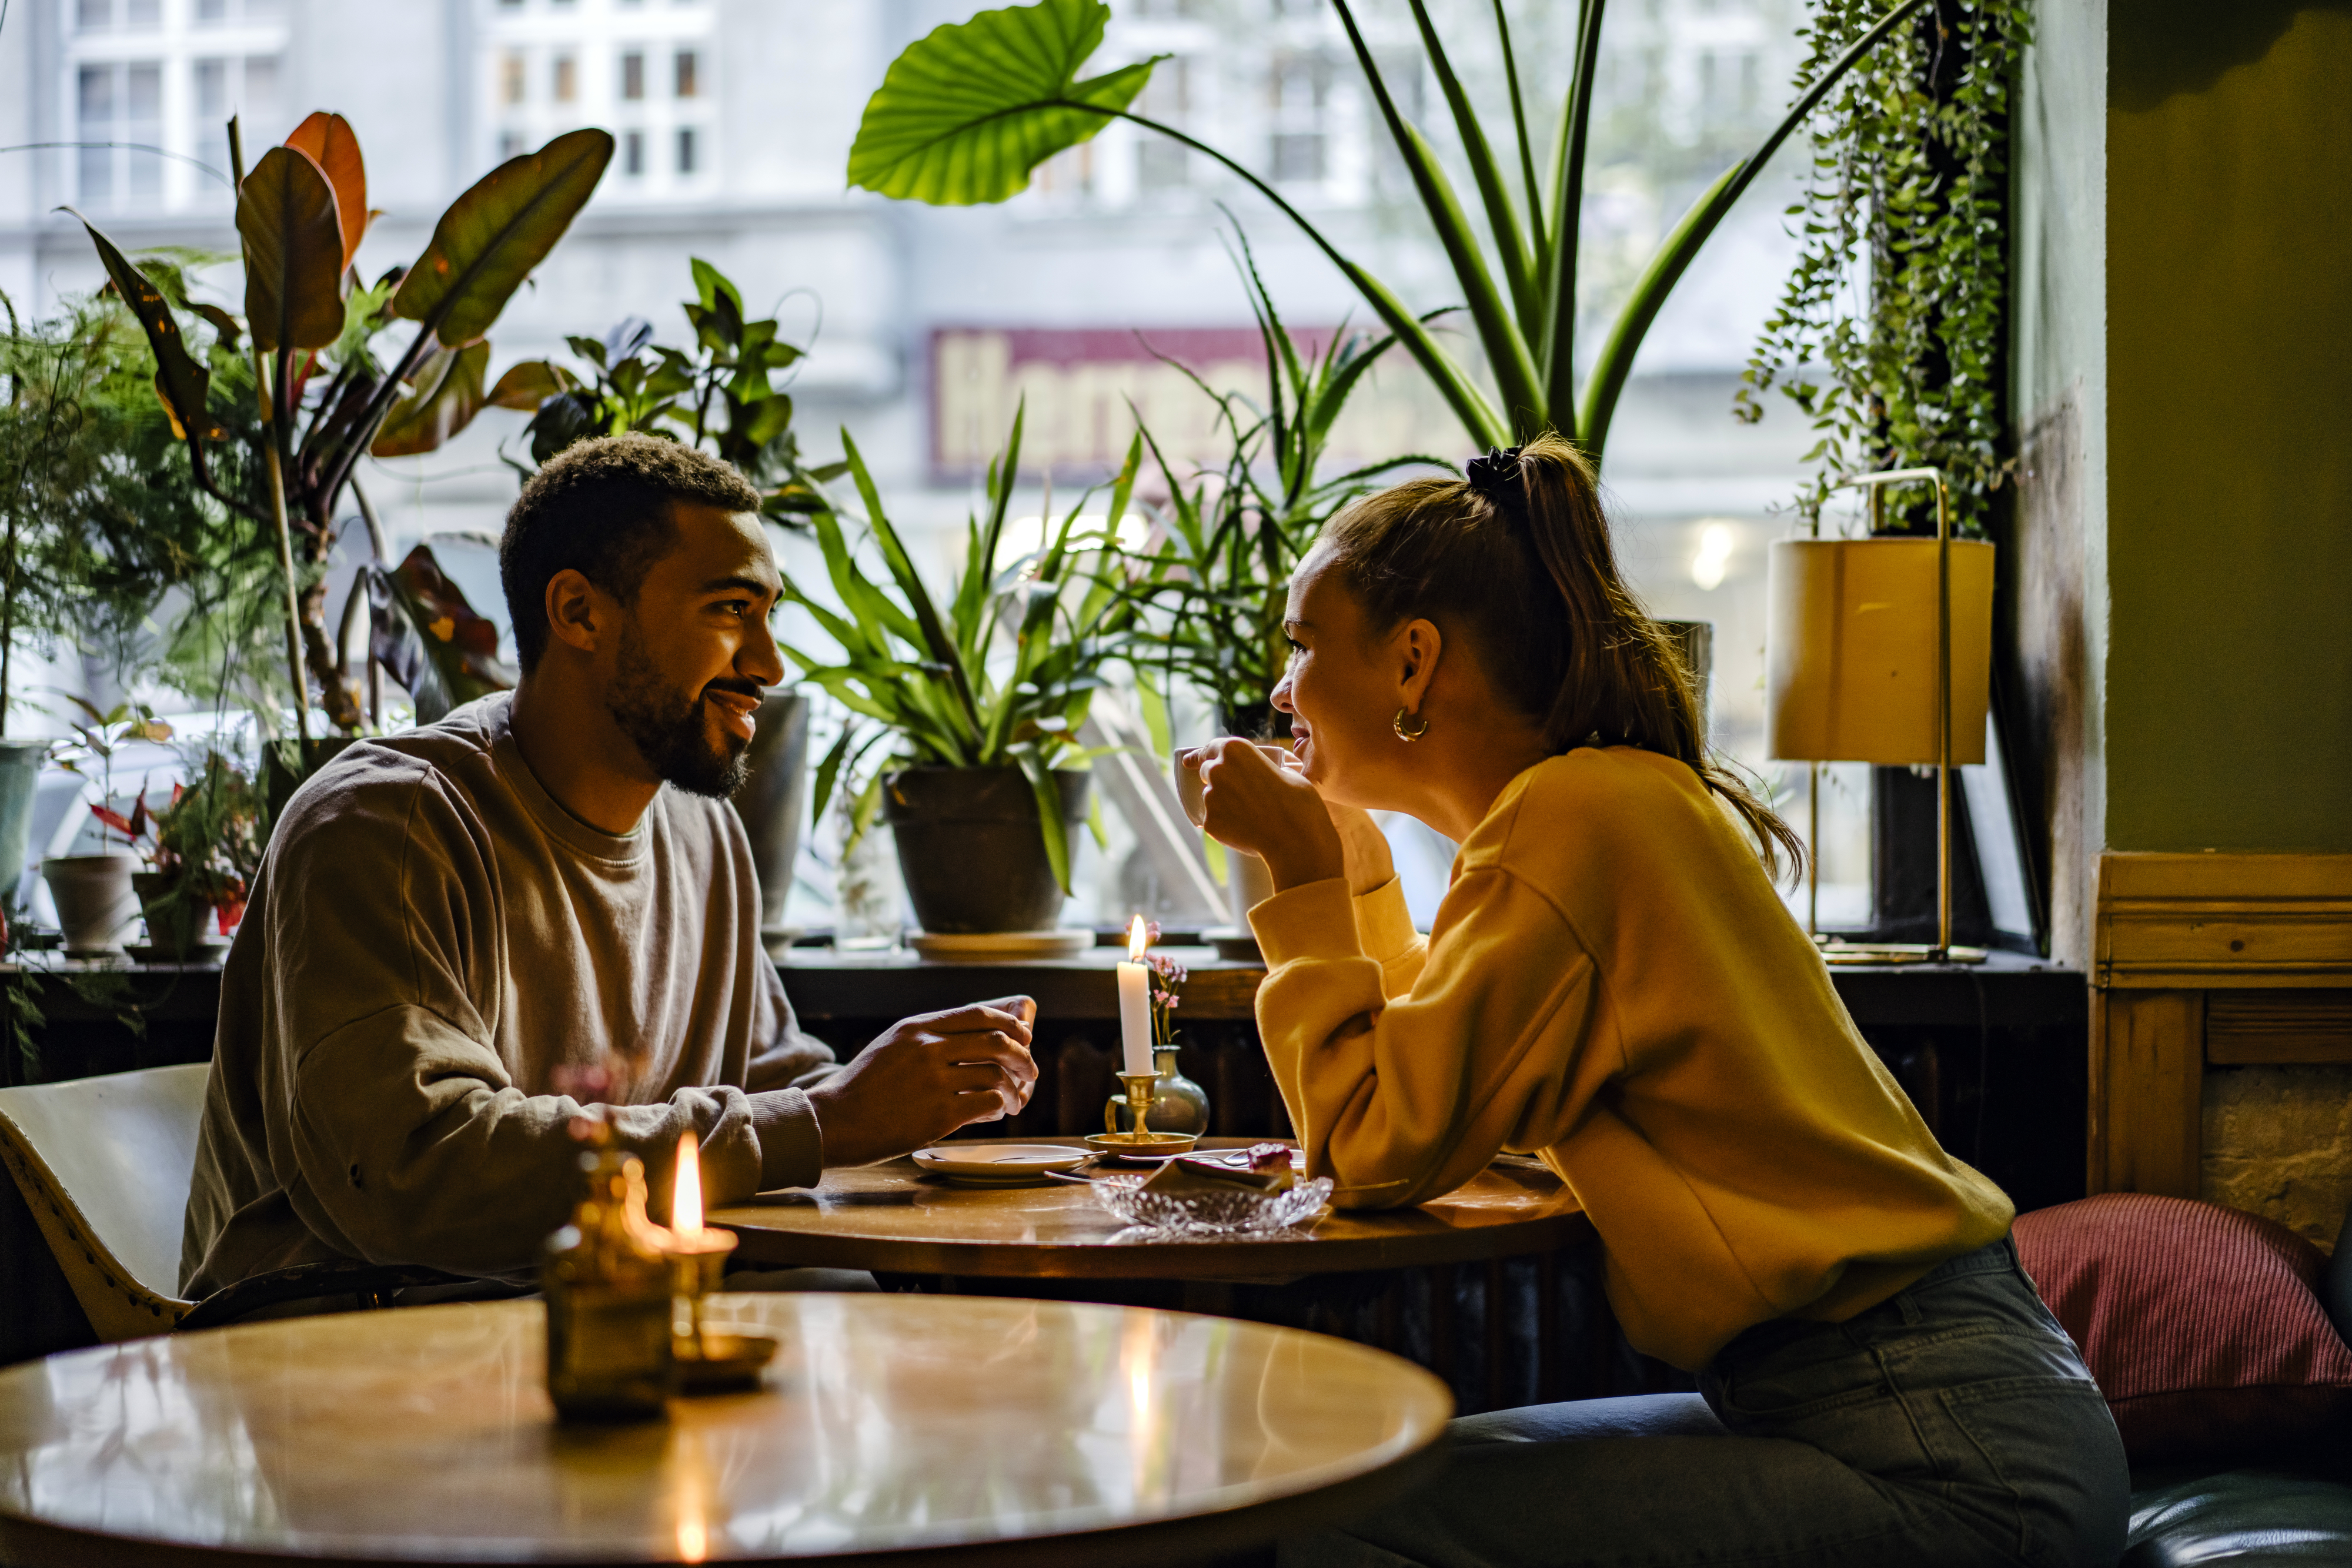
<point>602,509</point>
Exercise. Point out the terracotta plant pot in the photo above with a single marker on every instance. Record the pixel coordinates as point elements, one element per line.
<point>96,905</point>
<point>971,849</point>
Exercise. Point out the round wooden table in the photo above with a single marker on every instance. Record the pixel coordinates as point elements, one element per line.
<point>895,1219</point>
<point>891,1428</point>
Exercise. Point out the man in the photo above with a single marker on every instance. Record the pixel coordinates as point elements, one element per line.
<point>450,919</point>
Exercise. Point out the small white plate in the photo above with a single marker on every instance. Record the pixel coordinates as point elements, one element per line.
<point>999,947</point>
<point>997,1165</point>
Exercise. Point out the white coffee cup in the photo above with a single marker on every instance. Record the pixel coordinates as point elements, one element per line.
<point>1189,789</point>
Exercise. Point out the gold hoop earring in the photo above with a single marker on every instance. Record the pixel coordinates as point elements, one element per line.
<point>1419,728</point>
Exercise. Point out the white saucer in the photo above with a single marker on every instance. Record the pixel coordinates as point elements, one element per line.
<point>997,1165</point>
<point>996,946</point>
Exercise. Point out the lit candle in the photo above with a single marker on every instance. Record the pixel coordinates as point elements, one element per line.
<point>687,1233</point>
<point>686,1197</point>
<point>1135,1002</point>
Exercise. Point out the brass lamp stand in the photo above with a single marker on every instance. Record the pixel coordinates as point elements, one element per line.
<point>1834,665</point>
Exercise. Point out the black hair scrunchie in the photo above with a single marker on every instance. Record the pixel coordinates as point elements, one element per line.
<point>1496,476</point>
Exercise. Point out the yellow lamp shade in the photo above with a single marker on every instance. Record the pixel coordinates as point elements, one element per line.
<point>1850,650</point>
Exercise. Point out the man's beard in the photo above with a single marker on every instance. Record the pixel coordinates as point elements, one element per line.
<point>670,730</point>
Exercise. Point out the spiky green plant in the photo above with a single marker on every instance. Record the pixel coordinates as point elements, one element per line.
<point>966,113</point>
<point>1003,678</point>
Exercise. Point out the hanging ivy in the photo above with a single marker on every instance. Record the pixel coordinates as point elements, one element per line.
<point>1889,334</point>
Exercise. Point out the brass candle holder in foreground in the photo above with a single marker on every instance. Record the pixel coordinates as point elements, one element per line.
<point>1142,1089</point>
<point>703,1362</point>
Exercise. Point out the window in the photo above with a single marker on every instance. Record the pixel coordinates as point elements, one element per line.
<point>512,87</point>
<point>1301,85</point>
<point>104,15</point>
<point>566,82</point>
<point>633,75</point>
<point>690,74</point>
<point>114,106</point>
<point>244,85</point>
<point>633,152</point>
<point>685,151</point>
<point>214,12</point>
<point>1161,164</point>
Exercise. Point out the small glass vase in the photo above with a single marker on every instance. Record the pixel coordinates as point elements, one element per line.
<point>867,916</point>
<point>1181,1105</point>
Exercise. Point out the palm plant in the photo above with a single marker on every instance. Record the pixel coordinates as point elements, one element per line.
<point>1218,575</point>
<point>324,395</point>
<point>965,114</point>
<point>1003,678</point>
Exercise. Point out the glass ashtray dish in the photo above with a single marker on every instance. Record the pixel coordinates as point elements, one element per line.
<point>1239,1212</point>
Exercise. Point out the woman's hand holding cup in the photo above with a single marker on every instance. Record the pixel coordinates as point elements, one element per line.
<point>1255,797</point>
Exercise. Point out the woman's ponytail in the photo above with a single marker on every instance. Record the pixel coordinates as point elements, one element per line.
<point>1519,555</point>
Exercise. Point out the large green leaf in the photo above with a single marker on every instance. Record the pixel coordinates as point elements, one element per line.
<point>329,140</point>
<point>293,252</point>
<point>448,394</point>
<point>490,238</point>
<point>182,382</point>
<point>967,112</point>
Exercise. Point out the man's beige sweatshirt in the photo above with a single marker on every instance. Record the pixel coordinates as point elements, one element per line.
<point>430,939</point>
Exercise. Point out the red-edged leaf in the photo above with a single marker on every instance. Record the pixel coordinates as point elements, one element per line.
<point>181,381</point>
<point>444,404</point>
<point>527,385</point>
<point>328,139</point>
<point>429,639</point>
<point>491,237</point>
<point>293,252</point>
<point>113,819</point>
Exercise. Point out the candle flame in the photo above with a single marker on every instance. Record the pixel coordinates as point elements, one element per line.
<point>1135,941</point>
<point>686,1198</point>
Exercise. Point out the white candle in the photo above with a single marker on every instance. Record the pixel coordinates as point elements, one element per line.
<point>1135,1003</point>
<point>686,1193</point>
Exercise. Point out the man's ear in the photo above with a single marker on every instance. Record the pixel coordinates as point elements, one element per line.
<point>577,614</point>
<point>1418,647</point>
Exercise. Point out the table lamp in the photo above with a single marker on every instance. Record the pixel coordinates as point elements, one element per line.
<point>1879,650</point>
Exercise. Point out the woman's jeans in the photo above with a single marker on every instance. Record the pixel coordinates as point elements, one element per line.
<point>1953,1424</point>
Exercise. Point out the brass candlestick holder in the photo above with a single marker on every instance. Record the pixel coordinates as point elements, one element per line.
<point>708,1362</point>
<point>1142,1089</point>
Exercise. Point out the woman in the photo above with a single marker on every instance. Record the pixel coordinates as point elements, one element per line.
<point>1613,983</point>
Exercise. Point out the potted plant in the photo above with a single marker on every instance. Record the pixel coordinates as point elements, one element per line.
<point>202,850</point>
<point>93,892</point>
<point>984,703</point>
<point>323,393</point>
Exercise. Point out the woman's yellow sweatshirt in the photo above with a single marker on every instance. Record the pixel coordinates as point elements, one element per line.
<point>1613,983</point>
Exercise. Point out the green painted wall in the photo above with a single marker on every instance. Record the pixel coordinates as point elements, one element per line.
<point>2227,702</point>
